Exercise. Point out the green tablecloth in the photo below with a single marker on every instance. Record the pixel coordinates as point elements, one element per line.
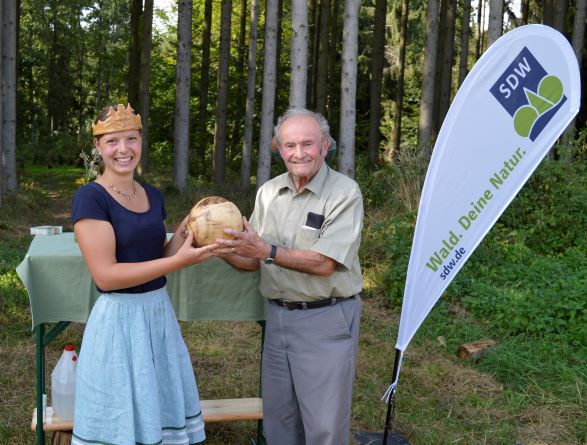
<point>60,287</point>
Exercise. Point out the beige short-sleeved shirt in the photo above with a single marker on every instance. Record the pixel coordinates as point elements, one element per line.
<point>326,216</point>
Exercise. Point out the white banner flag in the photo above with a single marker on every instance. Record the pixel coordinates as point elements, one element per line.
<point>516,101</point>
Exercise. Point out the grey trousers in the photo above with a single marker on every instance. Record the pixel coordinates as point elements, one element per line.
<point>308,370</point>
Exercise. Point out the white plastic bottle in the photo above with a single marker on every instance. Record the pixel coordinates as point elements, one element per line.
<point>63,384</point>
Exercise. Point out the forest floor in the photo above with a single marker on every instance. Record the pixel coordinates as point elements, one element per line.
<point>441,399</point>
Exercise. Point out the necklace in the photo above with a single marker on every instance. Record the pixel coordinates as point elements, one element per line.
<point>128,197</point>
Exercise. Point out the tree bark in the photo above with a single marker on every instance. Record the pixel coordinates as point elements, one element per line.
<point>377,62</point>
<point>322,69</point>
<point>313,47</point>
<point>237,114</point>
<point>9,19</point>
<point>524,9</point>
<point>479,41</point>
<point>100,62</point>
<point>222,96</point>
<point>548,12</point>
<point>268,100</point>
<point>348,84</point>
<point>134,52</point>
<point>476,349</point>
<point>80,90</point>
<point>2,185</point>
<point>560,11</point>
<point>399,100</point>
<point>250,104</point>
<point>145,78</point>
<point>578,38</point>
<point>299,53</point>
<point>425,124</point>
<point>182,95</point>
<point>577,42</point>
<point>446,62</point>
<point>279,24</point>
<point>465,33</point>
<point>495,24</point>
<point>333,74</point>
<point>204,85</point>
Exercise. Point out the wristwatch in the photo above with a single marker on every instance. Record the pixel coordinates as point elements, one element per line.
<point>271,258</point>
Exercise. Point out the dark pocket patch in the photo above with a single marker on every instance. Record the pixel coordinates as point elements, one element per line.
<point>314,220</point>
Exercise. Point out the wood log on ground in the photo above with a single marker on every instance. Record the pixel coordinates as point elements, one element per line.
<point>61,438</point>
<point>475,350</point>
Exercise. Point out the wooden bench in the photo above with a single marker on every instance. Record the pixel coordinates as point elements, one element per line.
<point>221,410</point>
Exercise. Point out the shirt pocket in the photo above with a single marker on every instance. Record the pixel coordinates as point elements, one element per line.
<point>306,237</point>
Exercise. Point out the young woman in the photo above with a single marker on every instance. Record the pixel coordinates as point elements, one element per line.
<point>135,381</point>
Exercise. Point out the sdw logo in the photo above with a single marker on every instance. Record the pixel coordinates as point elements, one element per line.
<point>529,94</point>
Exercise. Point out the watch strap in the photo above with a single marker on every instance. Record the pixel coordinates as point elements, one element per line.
<point>271,258</point>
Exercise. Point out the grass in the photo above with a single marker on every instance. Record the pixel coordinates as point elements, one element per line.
<point>528,391</point>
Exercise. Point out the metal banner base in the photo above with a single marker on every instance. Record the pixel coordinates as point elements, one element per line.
<point>377,439</point>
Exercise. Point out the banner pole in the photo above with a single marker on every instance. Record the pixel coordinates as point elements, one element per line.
<point>391,395</point>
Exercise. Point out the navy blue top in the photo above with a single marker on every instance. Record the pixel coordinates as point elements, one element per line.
<point>140,236</point>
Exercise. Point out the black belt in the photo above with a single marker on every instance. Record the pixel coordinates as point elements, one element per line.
<point>290,304</point>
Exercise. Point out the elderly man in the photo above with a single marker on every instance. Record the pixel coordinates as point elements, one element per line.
<point>304,234</point>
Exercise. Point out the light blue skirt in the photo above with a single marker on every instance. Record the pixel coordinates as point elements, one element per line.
<point>135,381</point>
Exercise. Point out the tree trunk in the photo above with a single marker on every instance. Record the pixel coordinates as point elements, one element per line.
<point>425,124</point>
<point>440,48</point>
<point>100,61</point>
<point>577,42</point>
<point>524,9</point>
<point>322,69</point>
<point>479,41</point>
<point>495,24</point>
<point>377,62</point>
<point>446,63</point>
<point>578,38</point>
<point>204,84</point>
<point>268,100</point>
<point>313,36</point>
<point>80,90</point>
<point>548,19</point>
<point>548,12</point>
<point>53,76</point>
<point>348,84</point>
<point>465,33</point>
<point>299,53</point>
<point>2,185</point>
<point>222,96</point>
<point>145,78</point>
<point>333,74</point>
<point>134,53</point>
<point>278,67</point>
<point>399,101</point>
<point>182,95</point>
<point>250,104</point>
<point>560,10</point>
<point>237,114</point>
<point>8,151</point>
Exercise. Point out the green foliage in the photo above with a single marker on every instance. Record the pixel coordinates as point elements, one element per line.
<point>542,296</point>
<point>376,254</point>
<point>524,286</point>
<point>528,276</point>
<point>550,208</point>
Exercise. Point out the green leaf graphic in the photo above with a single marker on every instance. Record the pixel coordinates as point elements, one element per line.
<point>540,104</point>
<point>551,89</point>
<point>524,119</point>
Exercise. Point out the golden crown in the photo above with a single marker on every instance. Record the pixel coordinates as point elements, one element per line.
<point>120,119</point>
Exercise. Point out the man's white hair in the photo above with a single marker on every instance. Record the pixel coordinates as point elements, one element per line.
<point>299,111</point>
